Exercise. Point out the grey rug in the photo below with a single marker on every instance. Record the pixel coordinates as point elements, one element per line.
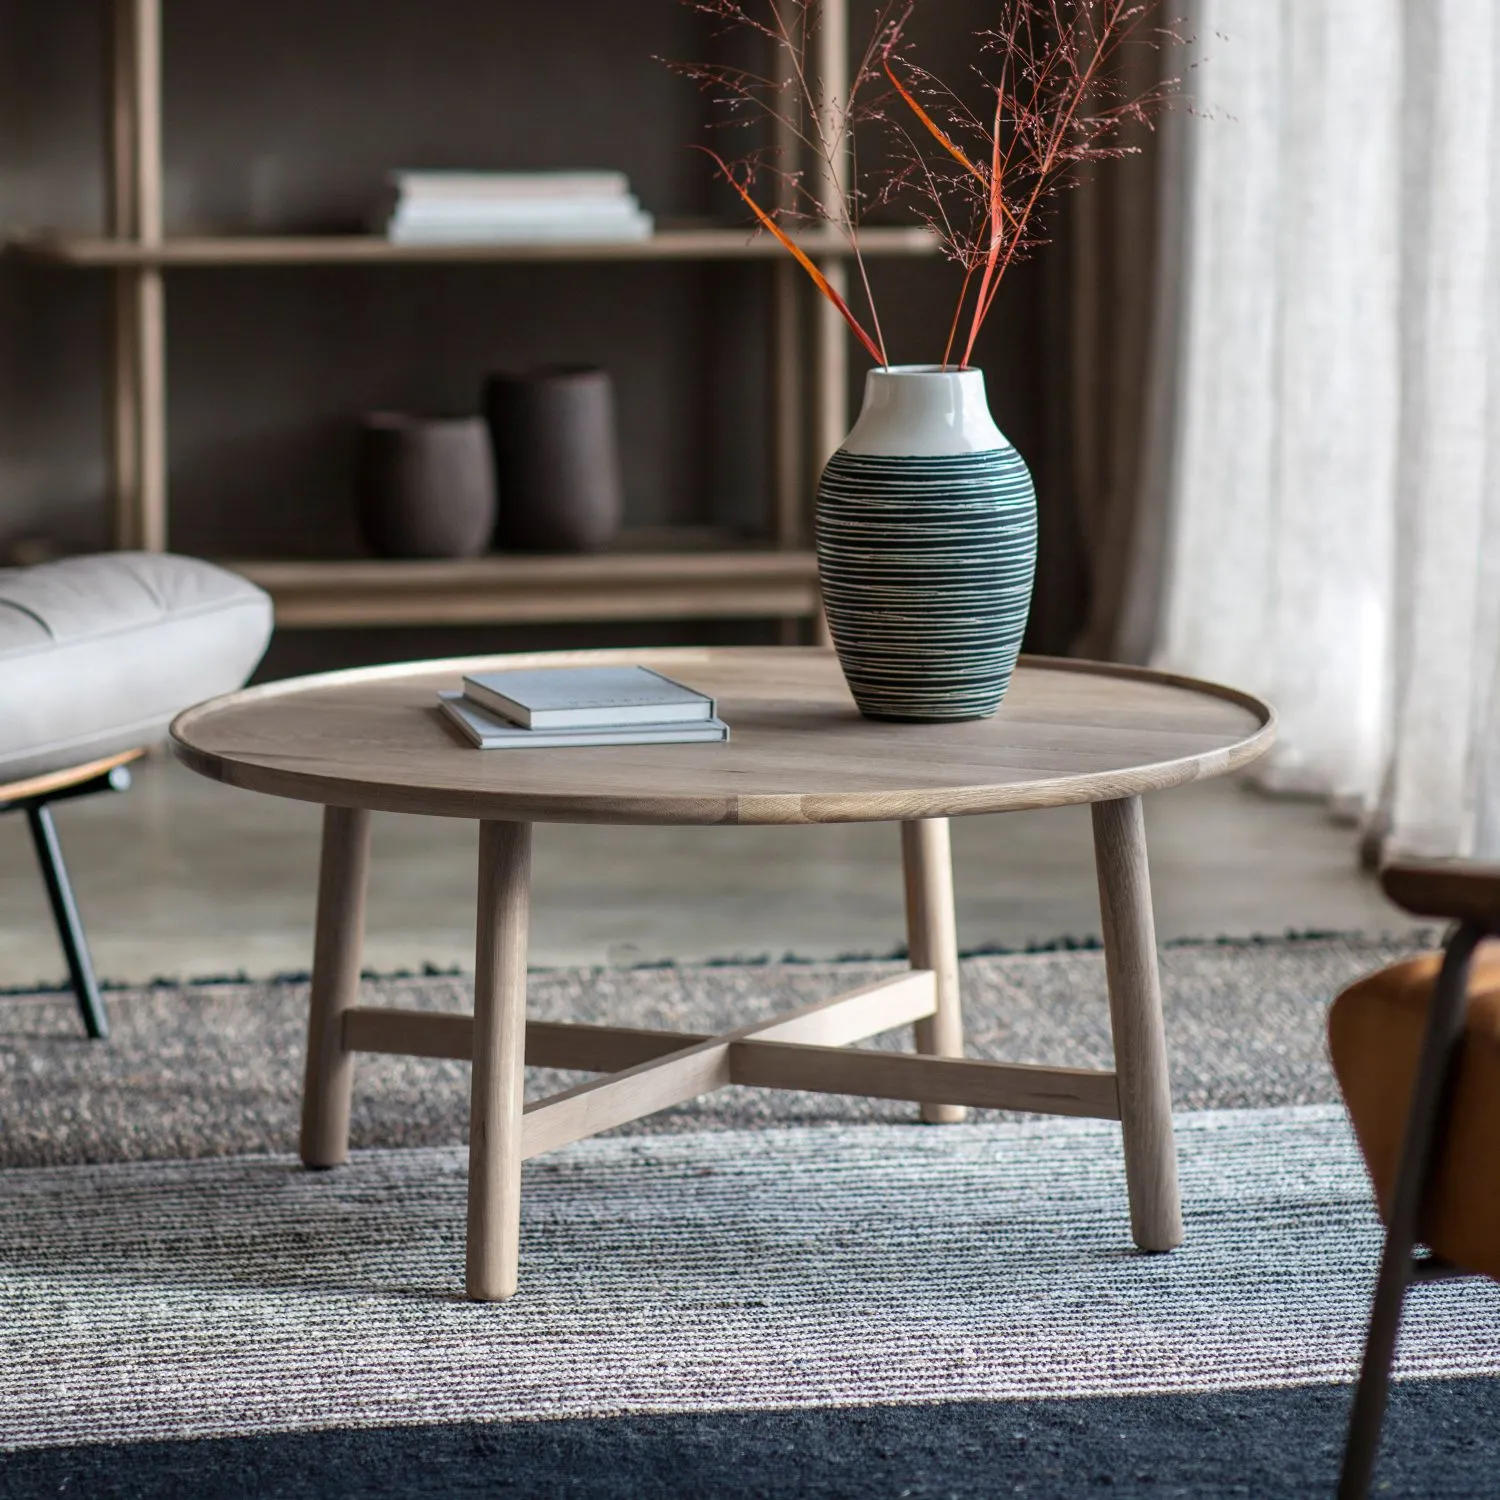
<point>799,1297</point>
<point>216,1069</point>
<point>736,1270</point>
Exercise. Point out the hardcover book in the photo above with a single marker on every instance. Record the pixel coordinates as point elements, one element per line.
<point>588,697</point>
<point>413,184</point>
<point>489,732</point>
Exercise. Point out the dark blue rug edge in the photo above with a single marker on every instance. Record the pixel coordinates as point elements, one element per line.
<point>1442,1439</point>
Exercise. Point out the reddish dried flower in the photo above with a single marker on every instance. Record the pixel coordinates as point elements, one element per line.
<point>981,182</point>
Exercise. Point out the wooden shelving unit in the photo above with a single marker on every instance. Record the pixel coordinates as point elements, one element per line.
<point>518,589</point>
<point>776,579</point>
<point>696,243</point>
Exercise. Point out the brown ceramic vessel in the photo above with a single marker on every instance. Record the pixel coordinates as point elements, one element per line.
<point>557,459</point>
<point>425,486</point>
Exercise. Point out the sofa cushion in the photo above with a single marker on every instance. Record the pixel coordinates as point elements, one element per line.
<point>97,654</point>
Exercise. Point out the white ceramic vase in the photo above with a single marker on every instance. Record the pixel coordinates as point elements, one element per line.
<point>926,540</point>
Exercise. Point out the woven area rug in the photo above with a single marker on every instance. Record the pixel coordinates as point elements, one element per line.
<point>217,1069</point>
<point>761,1295</point>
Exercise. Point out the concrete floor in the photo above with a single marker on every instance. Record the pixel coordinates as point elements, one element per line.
<point>182,877</point>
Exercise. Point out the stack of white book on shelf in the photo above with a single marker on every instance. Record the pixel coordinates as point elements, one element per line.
<point>553,707</point>
<point>507,208</point>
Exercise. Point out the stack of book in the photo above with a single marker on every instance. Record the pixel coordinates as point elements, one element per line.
<point>457,208</point>
<point>552,707</point>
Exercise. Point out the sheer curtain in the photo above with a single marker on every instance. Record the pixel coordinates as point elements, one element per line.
<point>1332,438</point>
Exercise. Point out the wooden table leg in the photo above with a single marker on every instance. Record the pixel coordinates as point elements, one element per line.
<point>1136,1021</point>
<point>496,1091</point>
<point>335,985</point>
<point>932,940</point>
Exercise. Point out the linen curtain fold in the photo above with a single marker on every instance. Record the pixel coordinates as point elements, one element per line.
<point>1331,442</point>
<point>1121,243</point>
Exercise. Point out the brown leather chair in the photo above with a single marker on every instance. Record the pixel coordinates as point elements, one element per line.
<point>1416,1049</point>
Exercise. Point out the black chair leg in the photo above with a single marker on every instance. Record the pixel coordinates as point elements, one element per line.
<point>1367,1415</point>
<point>1423,1135</point>
<point>65,914</point>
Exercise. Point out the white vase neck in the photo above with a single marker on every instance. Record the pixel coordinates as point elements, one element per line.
<point>924,411</point>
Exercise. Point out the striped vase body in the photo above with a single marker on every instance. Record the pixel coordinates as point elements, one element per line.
<point>926,538</point>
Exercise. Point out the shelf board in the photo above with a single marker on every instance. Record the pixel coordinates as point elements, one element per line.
<point>516,589</point>
<point>671,244</point>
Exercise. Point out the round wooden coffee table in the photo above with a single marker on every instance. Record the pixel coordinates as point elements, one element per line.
<point>1068,732</point>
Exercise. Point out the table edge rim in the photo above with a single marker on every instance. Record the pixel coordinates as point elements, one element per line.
<point>753,808</point>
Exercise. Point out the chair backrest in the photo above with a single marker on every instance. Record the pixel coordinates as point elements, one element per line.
<point>1375,1036</point>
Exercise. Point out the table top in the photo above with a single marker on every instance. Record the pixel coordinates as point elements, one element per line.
<point>1067,732</point>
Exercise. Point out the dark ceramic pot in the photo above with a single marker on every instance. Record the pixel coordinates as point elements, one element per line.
<point>425,487</point>
<point>557,458</point>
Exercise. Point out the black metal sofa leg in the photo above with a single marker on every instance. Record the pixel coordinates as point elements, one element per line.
<point>65,914</point>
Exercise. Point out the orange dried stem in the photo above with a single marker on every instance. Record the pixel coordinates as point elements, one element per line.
<point>818,278</point>
<point>949,144</point>
<point>958,312</point>
<point>1078,93</point>
<point>981,303</point>
<point>938,133</point>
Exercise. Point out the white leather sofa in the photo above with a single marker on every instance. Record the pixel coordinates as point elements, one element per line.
<point>97,654</point>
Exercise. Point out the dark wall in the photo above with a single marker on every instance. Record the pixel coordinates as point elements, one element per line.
<point>284,116</point>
